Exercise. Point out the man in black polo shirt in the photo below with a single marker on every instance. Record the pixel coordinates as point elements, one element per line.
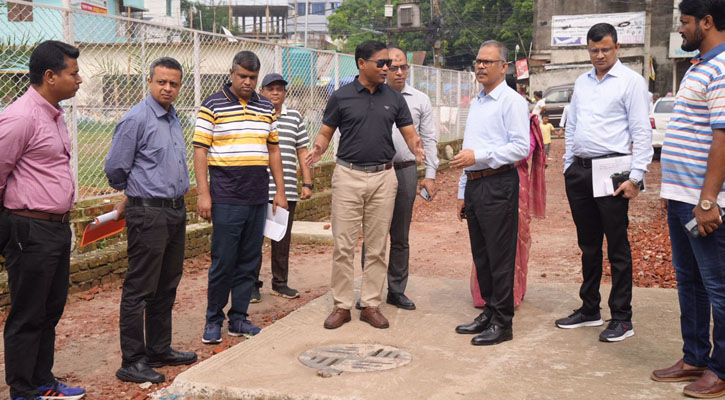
<point>364,185</point>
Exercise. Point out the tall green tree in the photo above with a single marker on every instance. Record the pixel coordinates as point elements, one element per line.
<point>464,25</point>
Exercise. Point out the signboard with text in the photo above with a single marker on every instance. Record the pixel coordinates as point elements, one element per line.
<point>676,47</point>
<point>571,30</point>
<point>94,6</point>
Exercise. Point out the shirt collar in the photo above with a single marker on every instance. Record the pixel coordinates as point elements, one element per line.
<point>359,87</point>
<point>710,54</point>
<point>495,93</point>
<point>284,110</point>
<point>615,71</point>
<point>227,90</point>
<point>407,90</point>
<point>158,109</point>
<point>44,104</point>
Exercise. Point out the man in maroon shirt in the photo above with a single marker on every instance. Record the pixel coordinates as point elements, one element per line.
<point>36,190</point>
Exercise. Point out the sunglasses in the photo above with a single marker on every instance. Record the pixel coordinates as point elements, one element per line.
<point>379,63</point>
<point>395,68</point>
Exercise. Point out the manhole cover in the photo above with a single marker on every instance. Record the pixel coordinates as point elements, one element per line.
<point>355,358</point>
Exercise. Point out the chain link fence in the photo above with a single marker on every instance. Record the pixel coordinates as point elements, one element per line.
<point>115,55</point>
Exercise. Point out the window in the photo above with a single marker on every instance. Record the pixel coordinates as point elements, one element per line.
<point>317,8</point>
<point>334,5</point>
<point>559,96</point>
<point>664,107</point>
<point>20,12</point>
<point>168,8</point>
<point>301,9</point>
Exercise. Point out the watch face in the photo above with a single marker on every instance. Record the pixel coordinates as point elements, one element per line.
<point>706,205</point>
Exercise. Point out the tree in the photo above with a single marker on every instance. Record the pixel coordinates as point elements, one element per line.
<point>465,24</point>
<point>205,15</point>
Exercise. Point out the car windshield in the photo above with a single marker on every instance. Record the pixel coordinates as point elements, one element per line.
<point>559,96</point>
<point>664,106</point>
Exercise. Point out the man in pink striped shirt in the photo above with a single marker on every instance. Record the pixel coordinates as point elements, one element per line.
<point>36,194</point>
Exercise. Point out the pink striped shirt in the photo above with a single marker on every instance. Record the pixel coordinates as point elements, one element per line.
<point>35,154</point>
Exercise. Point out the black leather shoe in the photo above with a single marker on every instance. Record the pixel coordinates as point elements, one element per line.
<point>139,372</point>
<point>357,305</point>
<point>494,334</point>
<point>477,326</point>
<point>173,358</point>
<point>400,301</point>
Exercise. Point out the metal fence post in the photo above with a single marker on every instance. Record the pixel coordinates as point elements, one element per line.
<point>337,71</point>
<point>411,76</point>
<point>72,122</point>
<point>458,105</point>
<point>278,58</point>
<point>197,79</point>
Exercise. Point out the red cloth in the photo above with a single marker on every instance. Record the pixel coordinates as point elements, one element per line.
<point>532,202</point>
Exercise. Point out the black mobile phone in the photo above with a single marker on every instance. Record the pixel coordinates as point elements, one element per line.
<point>691,225</point>
<point>424,194</point>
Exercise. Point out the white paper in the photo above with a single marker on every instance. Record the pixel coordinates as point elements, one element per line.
<point>602,170</point>
<point>102,219</point>
<point>276,225</point>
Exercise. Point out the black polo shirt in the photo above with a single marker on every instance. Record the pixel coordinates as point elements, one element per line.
<point>365,121</point>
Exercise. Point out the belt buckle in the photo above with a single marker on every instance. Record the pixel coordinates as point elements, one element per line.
<point>64,219</point>
<point>175,203</point>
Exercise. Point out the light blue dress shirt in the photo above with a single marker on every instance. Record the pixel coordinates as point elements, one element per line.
<point>610,116</point>
<point>148,154</point>
<point>497,130</point>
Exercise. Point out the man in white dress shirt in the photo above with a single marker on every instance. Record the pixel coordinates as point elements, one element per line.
<point>607,117</point>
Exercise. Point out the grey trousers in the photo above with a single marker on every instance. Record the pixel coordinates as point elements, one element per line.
<point>399,230</point>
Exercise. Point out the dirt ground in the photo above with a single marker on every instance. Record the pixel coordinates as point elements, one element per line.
<point>87,345</point>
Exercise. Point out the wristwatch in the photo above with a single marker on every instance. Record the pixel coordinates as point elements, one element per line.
<point>635,182</point>
<point>706,205</point>
<point>309,185</point>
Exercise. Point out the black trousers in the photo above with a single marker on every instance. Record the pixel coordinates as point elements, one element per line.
<point>492,212</point>
<point>37,257</point>
<point>280,254</point>
<point>594,218</point>
<point>156,243</point>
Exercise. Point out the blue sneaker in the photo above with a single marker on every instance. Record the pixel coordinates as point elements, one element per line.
<point>212,333</point>
<point>242,327</point>
<point>58,390</point>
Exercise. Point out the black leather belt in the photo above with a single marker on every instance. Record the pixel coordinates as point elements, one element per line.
<point>163,203</point>
<point>403,164</point>
<point>365,168</point>
<point>473,175</point>
<point>587,162</point>
<point>40,215</point>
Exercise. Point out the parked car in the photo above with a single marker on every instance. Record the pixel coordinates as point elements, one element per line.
<point>557,97</point>
<point>659,118</point>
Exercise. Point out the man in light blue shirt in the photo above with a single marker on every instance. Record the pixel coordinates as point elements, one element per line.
<point>608,116</point>
<point>496,138</point>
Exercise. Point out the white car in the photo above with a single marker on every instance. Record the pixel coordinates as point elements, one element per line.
<point>659,118</point>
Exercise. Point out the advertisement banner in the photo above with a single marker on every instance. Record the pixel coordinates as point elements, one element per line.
<point>571,30</point>
<point>94,6</point>
<point>522,69</point>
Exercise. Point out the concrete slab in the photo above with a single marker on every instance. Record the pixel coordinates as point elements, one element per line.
<point>312,232</point>
<point>542,362</point>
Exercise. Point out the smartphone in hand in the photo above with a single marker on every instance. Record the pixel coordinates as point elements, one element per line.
<point>424,194</point>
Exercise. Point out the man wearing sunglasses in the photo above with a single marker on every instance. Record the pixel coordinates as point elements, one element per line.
<point>496,138</point>
<point>608,116</point>
<point>364,184</point>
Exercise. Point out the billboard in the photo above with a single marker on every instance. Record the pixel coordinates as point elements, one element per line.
<point>676,47</point>
<point>571,30</point>
<point>522,69</point>
<point>94,6</point>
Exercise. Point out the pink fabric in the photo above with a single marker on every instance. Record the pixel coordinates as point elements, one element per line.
<point>532,202</point>
<point>35,170</point>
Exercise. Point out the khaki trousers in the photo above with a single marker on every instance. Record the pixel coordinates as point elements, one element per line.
<point>360,199</point>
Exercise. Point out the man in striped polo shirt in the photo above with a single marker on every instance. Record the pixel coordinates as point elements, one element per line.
<point>293,143</point>
<point>236,138</point>
<point>693,171</point>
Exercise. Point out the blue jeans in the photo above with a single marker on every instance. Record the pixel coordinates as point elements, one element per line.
<point>700,267</point>
<point>236,249</point>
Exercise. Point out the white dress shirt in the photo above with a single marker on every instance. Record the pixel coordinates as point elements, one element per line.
<point>610,116</point>
<point>497,130</point>
<point>422,112</point>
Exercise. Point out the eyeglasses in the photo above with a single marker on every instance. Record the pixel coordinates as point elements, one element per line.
<point>487,63</point>
<point>395,68</point>
<point>604,51</point>
<point>379,63</point>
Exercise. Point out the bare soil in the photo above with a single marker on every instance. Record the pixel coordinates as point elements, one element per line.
<point>87,345</point>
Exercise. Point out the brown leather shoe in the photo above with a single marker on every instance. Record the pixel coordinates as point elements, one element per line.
<point>374,317</point>
<point>709,386</point>
<point>338,317</point>
<point>677,373</point>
